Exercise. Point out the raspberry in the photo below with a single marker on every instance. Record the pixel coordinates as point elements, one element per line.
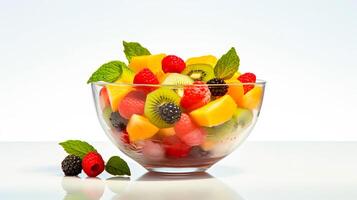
<point>93,164</point>
<point>247,78</point>
<point>175,148</point>
<point>118,121</point>
<point>145,76</point>
<point>71,165</point>
<point>170,113</point>
<point>219,87</point>
<point>173,64</point>
<point>195,96</point>
<point>132,103</point>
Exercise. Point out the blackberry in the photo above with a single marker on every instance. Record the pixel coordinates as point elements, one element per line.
<point>170,113</point>
<point>198,152</point>
<point>118,121</point>
<point>219,88</point>
<point>72,165</point>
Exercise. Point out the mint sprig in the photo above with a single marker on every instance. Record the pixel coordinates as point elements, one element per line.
<point>227,65</point>
<point>77,147</point>
<point>108,72</point>
<point>132,49</point>
<point>117,166</point>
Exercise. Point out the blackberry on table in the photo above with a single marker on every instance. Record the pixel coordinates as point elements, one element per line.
<point>72,165</point>
<point>118,121</point>
<point>219,87</point>
<point>170,113</point>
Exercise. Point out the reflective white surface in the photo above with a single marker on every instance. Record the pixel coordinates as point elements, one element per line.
<point>258,170</point>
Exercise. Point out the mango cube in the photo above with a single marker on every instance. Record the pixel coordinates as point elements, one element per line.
<point>140,128</point>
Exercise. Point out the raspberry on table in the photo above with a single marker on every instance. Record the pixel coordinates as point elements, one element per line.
<point>72,165</point>
<point>173,64</point>
<point>146,76</point>
<point>247,78</point>
<point>93,164</point>
<point>170,113</point>
<point>218,87</point>
<point>195,96</point>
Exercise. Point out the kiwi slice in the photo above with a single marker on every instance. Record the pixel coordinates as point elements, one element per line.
<point>199,72</point>
<point>177,80</point>
<point>107,111</point>
<point>156,99</point>
<point>243,117</point>
<point>217,133</point>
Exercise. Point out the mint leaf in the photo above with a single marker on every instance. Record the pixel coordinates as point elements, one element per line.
<point>117,166</point>
<point>227,65</point>
<point>108,72</point>
<point>132,49</point>
<point>77,147</point>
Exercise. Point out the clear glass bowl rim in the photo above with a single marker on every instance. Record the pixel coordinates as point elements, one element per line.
<point>103,83</point>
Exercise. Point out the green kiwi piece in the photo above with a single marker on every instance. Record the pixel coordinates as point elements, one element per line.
<point>106,115</point>
<point>219,132</point>
<point>154,100</point>
<point>199,72</point>
<point>243,117</point>
<point>177,80</point>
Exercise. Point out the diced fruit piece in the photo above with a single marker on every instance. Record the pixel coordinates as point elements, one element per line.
<point>217,87</point>
<point>247,78</point>
<point>104,98</point>
<point>153,62</point>
<point>153,151</point>
<point>214,113</point>
<point>107,111</point>
<point>116,93</point>
<point>132,103</point>
<point>207,145</point>
<point>124,137</point>
<point>199,72</point>
<point>140,128</point>
<point>252,99</point>
<point>198,152</point>
<point>153,102</point>
<point>188,131</point>
<point>117,121</point>
<point>172,64</point>
<point>234,77</point>
<point>170,112</point>
<point>243,117</point>
<point>164,132</point>
<point>208,59</point>
<point>175,148</point>
<point>219,132</point>
<point>145,76</point>
<point>127,75</point>
<point>235,90</point>
<point>176,80</point>
<point>195,96</point>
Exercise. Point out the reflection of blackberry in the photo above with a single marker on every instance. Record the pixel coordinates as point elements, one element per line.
<point>118,121</point>
<point>170,113</point>
<point>217,90</point>
<point>72,165</point>
<point>198,152</point>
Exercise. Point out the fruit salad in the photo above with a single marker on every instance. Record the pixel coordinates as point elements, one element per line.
<point>163,110</point>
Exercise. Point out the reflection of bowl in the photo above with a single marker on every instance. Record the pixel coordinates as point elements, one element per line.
<point>210,132</point>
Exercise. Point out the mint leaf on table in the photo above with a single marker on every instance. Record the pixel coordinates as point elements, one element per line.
<point>227,65</point>
<point>108,72</point>
<point>77,147</point>
<point>132,49</point>
<point>117,166</point>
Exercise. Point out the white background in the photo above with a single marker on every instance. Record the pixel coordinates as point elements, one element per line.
<point>306,50</point>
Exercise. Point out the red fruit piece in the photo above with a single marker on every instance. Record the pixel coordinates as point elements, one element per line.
<point>153,151</point>
<point>173,64</point>
<point>93,164</point>
<point>195,96</point>
<point>124,137</point>
<point>104,98</point>
<point>132,103</point>
<point>175,148</point>
<point>145,76</point>
<point>247,78</point>
<point>188,132</point>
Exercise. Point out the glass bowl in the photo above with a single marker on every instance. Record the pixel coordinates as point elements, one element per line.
<point>131,117</point>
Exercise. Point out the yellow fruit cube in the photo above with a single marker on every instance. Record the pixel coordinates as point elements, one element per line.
<point>116,93</point>
<point>215,113</point>
<point>208,59</point>
<point>235,90</point>
<point>252,99</point>
<point>153,62</point>
<point>164,132</point>
<point>140,128</point>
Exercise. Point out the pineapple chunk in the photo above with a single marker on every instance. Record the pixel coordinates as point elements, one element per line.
<point>140,128</point>
<point>208,59</point>
<point>153,62</point>
<point>215,113</point>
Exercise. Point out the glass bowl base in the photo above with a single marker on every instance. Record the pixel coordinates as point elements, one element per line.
<point>177,170</point>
